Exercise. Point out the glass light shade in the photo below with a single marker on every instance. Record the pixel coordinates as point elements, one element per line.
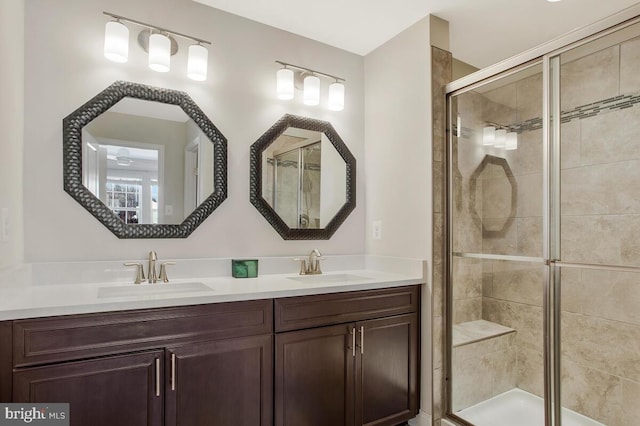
<point>159,52</point>
<point>284,84</point>
<point>512,141</point>
<point>311,90</point>
<point>501,138</point>
<point>488,135</point>
<point>336,96</point>
<point>116,42</point>
<point>197,62</point>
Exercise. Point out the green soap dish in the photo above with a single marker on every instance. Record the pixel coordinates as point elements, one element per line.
<point>244,268</point>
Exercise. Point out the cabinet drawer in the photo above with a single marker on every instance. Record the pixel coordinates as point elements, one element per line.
<point>295,313</point>
<point>71,337</point>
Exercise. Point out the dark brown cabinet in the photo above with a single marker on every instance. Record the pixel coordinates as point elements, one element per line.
<point>118,390</point>
<point>191,366</point>
<point>226,382</point>
<point>314,377</point>
<point>339,359</point>
<point>356,373</point>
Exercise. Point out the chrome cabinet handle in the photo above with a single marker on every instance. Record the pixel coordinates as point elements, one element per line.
<point>157,376</point>
<point>361,339</point>
<point>353,341</point>
<point>173,372</point>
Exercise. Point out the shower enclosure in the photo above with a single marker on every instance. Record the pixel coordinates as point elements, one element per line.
<point>543,239</point>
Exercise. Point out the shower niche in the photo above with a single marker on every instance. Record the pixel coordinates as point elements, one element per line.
<point>544,241</point>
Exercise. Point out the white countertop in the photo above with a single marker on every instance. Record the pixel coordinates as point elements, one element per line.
<point>29,300</point>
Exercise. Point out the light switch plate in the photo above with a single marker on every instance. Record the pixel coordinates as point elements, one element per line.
<point>377,230</point>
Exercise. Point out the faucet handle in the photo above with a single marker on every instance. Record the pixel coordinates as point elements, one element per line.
<point>163,271</point>
<point>303,265</point>
<point>139,271</point>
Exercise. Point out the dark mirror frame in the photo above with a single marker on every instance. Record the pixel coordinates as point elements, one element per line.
<point>255,187</point>
<point>72,161</point>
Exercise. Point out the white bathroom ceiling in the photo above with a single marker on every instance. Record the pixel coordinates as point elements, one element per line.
<point>483,32</point>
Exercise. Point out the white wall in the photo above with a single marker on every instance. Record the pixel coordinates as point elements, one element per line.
<point>398,144</point>
<point>398,134</point>
<point>11,123</point>
<point>65,68</point>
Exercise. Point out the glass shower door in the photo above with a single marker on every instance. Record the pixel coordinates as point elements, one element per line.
<point>600,230</point>
<point>496,267</point>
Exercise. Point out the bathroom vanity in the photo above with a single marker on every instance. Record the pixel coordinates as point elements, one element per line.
<point>326,357</point>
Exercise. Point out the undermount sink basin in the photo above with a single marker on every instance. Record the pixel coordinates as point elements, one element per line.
<point>151,289</point>
<point>327,278</point>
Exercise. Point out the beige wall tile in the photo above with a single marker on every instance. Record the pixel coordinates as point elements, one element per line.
<point>610,188</point>
<point>529,97</point>
<point>469,309</point>
<point>629,65</point>
<point>609,346</point>
<point>630,403</point>
<point>507,243</point>
<point>605,294</point>
<point>529,195</point>
<point>530,371</point>
<point>590,392</point>
<point>479,375</point>
<point>438,342</point>
<point>570,144</point>
<point>529,236</point>
<point>525,319</point>
<point>591,78</point>
<point>527,158</point>
<point>438,290</point>
<point>518,282</point>
<point>467,278</point>
<point>438,188</point>
<point>613,240</point>
<point>611,136</point>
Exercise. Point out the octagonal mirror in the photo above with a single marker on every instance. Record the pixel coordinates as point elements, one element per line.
<point>493,196</point>
<point>302,178</point>
<point>145,161</point>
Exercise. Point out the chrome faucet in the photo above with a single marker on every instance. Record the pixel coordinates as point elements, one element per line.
<point>152,274</point>
<point>311,266</point>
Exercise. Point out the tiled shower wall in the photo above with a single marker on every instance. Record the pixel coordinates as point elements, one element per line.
<point>600,183</point>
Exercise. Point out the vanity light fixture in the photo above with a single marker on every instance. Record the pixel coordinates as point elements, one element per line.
<point>158,42</point>
<point>512,141</point>
<point>116,41</point>
<point>311,94</point>
<point>159,52</point>
<point>286,79</point>
<point>284,83</point>
<point>488,135</point>
<point>336,96</point>
<point>499,136</point>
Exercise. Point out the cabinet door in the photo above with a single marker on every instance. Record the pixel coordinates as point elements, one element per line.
<point>314,377</point>
<point>387,370</point>
<point>119,390</point>
<point>221,383</point>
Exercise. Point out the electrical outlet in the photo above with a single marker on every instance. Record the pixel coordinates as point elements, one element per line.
<point>377,230</point>
<point>4,220</point>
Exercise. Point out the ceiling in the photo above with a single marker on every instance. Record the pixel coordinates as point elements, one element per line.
<point>482,32</point>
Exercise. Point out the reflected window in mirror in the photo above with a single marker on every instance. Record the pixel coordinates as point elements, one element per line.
<point>151,164</point>
<point>306,178</point>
